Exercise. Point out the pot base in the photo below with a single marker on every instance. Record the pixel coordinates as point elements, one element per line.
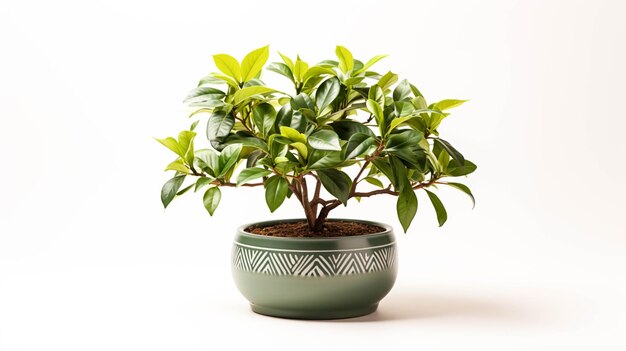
<point>313,314</point>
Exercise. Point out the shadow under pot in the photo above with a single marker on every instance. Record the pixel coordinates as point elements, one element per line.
<point>314,278</point>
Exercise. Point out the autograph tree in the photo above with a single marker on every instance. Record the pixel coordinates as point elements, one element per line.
<point>341,118</point>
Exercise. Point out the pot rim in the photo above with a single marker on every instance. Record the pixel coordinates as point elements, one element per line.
<point>241,230</point>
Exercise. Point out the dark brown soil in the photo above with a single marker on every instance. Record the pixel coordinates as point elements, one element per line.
<point>301,229</point>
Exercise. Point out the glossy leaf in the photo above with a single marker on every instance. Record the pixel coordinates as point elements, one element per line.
<point>228,65</point>
<point>442,215</point>
<point>346,61</point>
<point>202,182</point>
<point>370,63</point>
<point>402,91</point>
<point>205,92</point>
<point>211,199</point>
<point>249,174</point>
<point>406,207</point>
<point>172,144</point>
<point>228,158</point>
<point>377,94</point>
<point>276,188</point>
<point>264,117</point>
<point>387,80</point>
<point>178,166</point>
<point>345,128</point>
<point>326,93</point>
<point>252,64</point>
<point>358,145</point>
<point>208,161</point>
<point>407,138</point>
<point>455,169</point>
<point>374,181</point>
<point>451,150</point>
<point>219,126</point>
<point>248,92</point>
<point>377,111</point>
<point>336,182</point>
<point>287,61</point>
<point>319,159</point>
<point>325,139</point>
<point>293,135</point>
<point>448,104</point>
<point>282,69</point>
<point>170,188</point>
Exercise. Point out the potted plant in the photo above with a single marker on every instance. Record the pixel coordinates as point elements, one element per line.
<point>344,133</point>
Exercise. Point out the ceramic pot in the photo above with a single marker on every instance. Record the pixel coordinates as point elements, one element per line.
<point>314,278</point>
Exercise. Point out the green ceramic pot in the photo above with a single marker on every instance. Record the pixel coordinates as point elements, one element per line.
<point>314,278</point>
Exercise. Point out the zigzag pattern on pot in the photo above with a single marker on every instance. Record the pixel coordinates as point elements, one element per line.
<point>314,264</point>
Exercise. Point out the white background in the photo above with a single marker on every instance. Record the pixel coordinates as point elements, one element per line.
<point>90,261</point>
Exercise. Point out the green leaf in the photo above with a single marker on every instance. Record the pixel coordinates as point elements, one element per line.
<point>464,189</point>
<point>301,101</point>
<point>444,160</point>
<point>374,181</point>
<point>405,139</point>
<point>397,121</point>
<point>448,104</point>
<point>202,182</point>
<point>326,93</point>
<point>402,91</point>
<point>219,126</point>
<point>451,150</point>
<point>228,158</point>
<point>228,80</point>
<point>377,111</point>
<point>247,92</point>
<point>178,166</point>
<point>317,71</point>
<point>264,117</point>
<point>253,63</point>
<point>249,174</point>
<point>186,189</point>
<point>358,145</point>
<point>228,65</point>
<point>370,63</point>
<point>170,188</point>
<point>250,141</point>
<point>319,159</point>
<point>387,80</point>
<point>208,161</point>
<point>403,108</point>
<point>172,144</point>
<point>292,134</point>
<point>336,182</point>
<point>406,207</point>
<point>399,171</point>
<point>185,141</point>
<point>455,169</point>
<point>442,215</point>
<point>385,168</point>
<point>346,61</point>
<point>325,139</point>
<point>376,93</point>
<point>287,61</point>
<point>207,93</point>
<point>302,149</point>
<point>282,69</point>
<point>346,128</point>
<point>299,69</point>
<point>211,199</point>
<point>276,188</point>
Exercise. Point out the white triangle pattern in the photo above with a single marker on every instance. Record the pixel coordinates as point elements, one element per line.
<point>313,264</point>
